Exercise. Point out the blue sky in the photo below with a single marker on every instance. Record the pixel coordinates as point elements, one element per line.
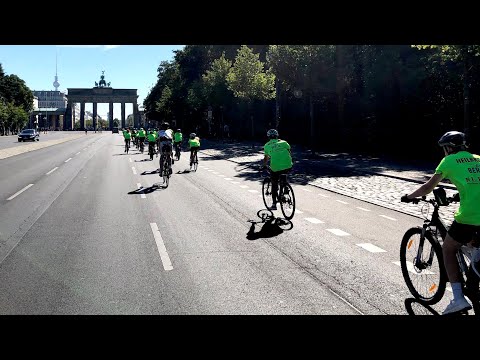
<point>79,66</point>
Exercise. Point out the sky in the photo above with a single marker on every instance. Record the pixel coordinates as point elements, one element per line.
<point>80,66</point>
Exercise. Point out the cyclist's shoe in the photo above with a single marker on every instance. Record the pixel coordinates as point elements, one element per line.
<point>273,207</point>
<point>173,161</point>
<point>170,171</point>
<point>456,306</point>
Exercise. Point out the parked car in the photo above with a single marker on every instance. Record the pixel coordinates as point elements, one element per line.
<point>115,130</point>
<point>28,134</point>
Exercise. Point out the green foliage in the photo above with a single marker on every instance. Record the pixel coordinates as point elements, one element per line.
<point>13,89</point>
<point>215,81</point>
<point>247,78</point>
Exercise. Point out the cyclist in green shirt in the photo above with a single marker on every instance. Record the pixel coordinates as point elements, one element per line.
<point>194,145</point>
<point>177,139</point>
<point>462,168</point>
<point>280,156</point>
<point>127,136</point>
<point>152,140</point>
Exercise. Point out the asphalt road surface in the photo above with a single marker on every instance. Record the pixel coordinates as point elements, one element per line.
<point>88,229</point>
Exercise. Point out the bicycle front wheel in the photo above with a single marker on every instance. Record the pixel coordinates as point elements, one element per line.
<point>423,271</point>
<point>267,193</point>
<point>287,202</point>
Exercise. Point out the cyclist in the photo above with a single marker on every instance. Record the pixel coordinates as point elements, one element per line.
<point>152,140</point>
<point>165,137</point>
<point>280,156</point>
<point>462,168</point>
<point>193,145</point>
<point>177,139</point>
<point>141,138</point>
<point>127,136</point>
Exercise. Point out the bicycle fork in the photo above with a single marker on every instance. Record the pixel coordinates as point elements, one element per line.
<point>419,263</point>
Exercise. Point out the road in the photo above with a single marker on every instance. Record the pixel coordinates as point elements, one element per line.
<point>83,230</point>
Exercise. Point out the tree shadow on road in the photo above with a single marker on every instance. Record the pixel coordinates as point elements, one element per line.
<point>271,226</point>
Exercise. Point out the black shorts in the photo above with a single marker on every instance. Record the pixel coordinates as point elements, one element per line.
<point>194,148</point>
<point>166,147</point>
<point>463,233</point>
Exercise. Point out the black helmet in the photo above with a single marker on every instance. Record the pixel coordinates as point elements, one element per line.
<point>178,130</point>
<point>272,134</point>
<point>452,138</point>
<point>165,126</point>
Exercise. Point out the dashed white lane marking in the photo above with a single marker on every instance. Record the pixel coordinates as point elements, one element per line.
<point>216,172</point>
<point>307,190</point>
<point>77,153</point>
<point>210,170</point>
<point>20,191</point>
<point>142,195</point>
<point>48,173</point>
<point>243,186</point>
<point>235,182</point>
<point>167,264</point>
<point>372,248</point>
<point>388,217</point>
<point>68,159</point>
<point>358,207</point>
<point>134,170</point>
<point>221,175</point>
<point>253,191</point>
<point>411,268</point>
<point>323,195</point>
<point>314,220</point>
<point>130,159</point>
<point>299,211</point>
<point>338,232</point>
<point>228,178</point>
<point>341,201</point>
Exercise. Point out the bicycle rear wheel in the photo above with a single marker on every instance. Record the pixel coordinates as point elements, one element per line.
<point>425,276</point>
<point>287,201</point>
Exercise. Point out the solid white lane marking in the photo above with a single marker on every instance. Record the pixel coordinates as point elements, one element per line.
<point>341,201</point>
<point>77,153</point>
<point>307,190</point>
<point>323,195</point>
<point>314,220</point>
<point>68,159</point>
<point>372,248</point>
<point>338,232</point>
<point>358,207</point>
<point>253,191</point>
<point>228,178</point>
<point>388,217</point>
<point>167,264</point>
<point>134,170</point>
<point>20,191</point>
<point>235,182</point>
<point>243,186</point>
<point>48,173</point>
<point>411,268</point>
<point>130,159</point>
<point>143,196</point>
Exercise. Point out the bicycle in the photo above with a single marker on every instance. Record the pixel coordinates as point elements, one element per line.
<point>151,150</point>
<point>194,163</point>
<point>425,244</point>
<point>141,144</point>
<point>166,167</point>
<point>285,196</point>
<point>177,151</point>
<point>127,145</point>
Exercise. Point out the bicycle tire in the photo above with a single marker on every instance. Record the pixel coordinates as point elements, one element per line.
<point>267,192</point>
<point>284,204</point>
<point>195,165</point>
<point>434,289</point>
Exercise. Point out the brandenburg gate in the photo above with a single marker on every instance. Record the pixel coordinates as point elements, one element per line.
<point>101,93</point>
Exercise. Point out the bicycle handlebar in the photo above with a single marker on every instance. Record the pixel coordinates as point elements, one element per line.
<point>434,202</point>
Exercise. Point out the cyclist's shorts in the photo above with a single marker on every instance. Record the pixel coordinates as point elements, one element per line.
<point>195,148</point>
<point>463,233</point>
<point>166,146</point>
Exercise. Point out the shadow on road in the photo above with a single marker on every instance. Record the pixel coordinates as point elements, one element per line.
<point>153,172</point>
<point>147,190</point>
<point>418,307</point>
<point>271,226</point>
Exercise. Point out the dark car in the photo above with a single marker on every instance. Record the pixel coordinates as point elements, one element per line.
<point>29,134</point>
<point>115,130</point>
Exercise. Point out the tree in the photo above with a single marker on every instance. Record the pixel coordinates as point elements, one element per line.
<point>465,55</point>
<point>116,122</point>
<point>2,73</point>
<point>249,81</point>
<point>13,89</point>
<point>130,121</point>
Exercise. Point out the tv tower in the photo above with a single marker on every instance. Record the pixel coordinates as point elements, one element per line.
<point>56,84</point>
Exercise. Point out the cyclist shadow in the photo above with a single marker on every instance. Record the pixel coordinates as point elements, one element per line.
<point>418,307</point>
<point>186,171</point>
<point>150,172</point>
<point>271,227</point>
<point>143,160</point>
<point>146,190</point>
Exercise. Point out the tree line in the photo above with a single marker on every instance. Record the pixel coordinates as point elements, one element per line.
<point>378,99</point>
<point>16,103</point>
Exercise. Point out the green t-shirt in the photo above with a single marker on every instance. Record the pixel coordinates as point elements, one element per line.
<point>178,137</point>
<point>194,142</point>
<point>463,170</point>
<point>141,133</point>
<point>127,135</point>
<point>280,158</point>
<point>151,137</point>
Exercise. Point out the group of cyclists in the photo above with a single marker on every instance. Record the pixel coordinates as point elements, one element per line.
<point>162,141</point>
